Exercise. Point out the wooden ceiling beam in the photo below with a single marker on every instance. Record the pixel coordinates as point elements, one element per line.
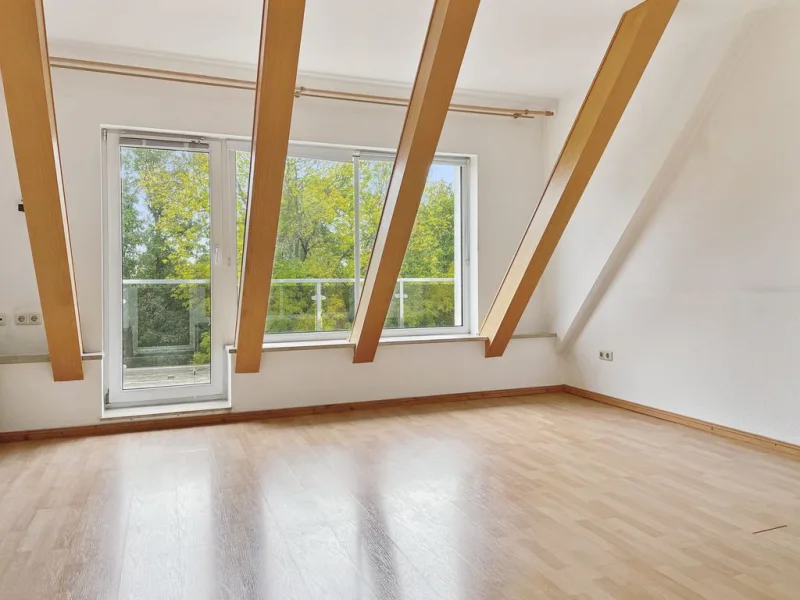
<point>25,70</point>
<point>631,49</point>
<point>281,30</point>
<point>442,54</point>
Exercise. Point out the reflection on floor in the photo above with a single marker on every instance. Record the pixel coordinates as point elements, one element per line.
<point>148,377</point>
<point>549,497</point>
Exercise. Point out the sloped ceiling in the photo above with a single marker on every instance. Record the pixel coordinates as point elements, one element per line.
<point>528,47</point>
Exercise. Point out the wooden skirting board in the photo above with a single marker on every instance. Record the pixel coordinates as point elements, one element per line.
<point>728,432</point>
<point>179,422</point>
<point>133,425</point>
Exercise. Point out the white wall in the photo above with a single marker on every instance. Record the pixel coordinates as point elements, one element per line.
<point>30,399</point>
<point>309,377</point>
<point>668,94</point>
<point>704,315</point>
<point>18,291</point>
<point>510,180</point>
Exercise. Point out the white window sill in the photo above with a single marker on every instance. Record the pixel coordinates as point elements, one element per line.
<point>166,410</point>
<point>21,359</point>
<point>302,345</point>
<point>387,341</point>
<point>403,340</point>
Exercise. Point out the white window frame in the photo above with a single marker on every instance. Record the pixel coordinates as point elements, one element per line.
<point>354,154</point>
<point>222,303</point>
<point>224,260</point>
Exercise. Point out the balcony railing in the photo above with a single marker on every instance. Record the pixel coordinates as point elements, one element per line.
<point>171,315</point>
<point>332,303</point>
<point>166,322</point>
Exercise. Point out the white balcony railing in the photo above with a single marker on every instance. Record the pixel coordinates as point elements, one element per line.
<point>316,294</point>
<point>319,297</point>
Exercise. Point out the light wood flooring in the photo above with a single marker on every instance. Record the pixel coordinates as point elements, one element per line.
<point>543,497</point>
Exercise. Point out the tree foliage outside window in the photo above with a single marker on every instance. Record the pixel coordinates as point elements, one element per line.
<point>166,228</point>
<point>316,240</point>
<point>166,236</point>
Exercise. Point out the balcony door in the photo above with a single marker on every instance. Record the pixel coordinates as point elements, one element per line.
<point>165,261</point>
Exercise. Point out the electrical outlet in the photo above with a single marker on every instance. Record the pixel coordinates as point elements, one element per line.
<point>3,320</point>
<point>607,355</point>
<point>21,318</point>
<point>34,318</point>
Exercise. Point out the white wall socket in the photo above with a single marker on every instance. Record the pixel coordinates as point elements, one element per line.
<point>3,320</point>
<point>607,355</point>
<point>32,318</point>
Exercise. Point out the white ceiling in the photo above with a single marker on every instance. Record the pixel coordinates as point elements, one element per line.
<point>530,47</point>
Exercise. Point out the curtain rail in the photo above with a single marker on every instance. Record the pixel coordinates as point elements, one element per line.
<point>75,64</point>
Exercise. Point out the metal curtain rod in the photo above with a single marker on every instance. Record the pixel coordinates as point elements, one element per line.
<point>75,64</point>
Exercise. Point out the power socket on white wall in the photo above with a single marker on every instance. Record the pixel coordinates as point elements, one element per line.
<point>32,318</point>
<point>607,355</point>
<point>3,320</point>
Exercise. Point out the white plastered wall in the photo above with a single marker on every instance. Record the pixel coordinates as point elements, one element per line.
<point>509,158</point>
<point>703,314</point>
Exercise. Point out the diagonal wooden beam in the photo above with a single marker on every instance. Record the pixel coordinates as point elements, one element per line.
<point>29,101</point>
<point>442,54</point>
<point>634,42</point>
<point>281,30</point>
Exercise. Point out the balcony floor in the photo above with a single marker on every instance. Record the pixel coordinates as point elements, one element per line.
<point>152,377</point>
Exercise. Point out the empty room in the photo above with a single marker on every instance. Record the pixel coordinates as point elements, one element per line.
<point>399,300</point>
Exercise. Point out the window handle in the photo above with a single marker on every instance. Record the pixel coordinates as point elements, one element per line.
<point>217,255</point>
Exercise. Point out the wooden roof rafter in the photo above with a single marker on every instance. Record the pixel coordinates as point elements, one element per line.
<point>25,71</point>
<point>281,32</point>
<point>442,54</point>
<point>626,59</point>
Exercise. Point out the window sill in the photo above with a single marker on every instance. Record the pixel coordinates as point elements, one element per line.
<point>387,341</point>
<point>21,359</point>
<point>403,340</point>
<point>302,345</point>
<point>166,410</point>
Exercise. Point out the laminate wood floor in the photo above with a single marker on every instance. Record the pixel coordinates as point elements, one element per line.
<point>543,497</point>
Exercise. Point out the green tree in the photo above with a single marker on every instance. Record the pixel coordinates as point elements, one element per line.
<point>166,235</point>
<point>315,240</point>
<point>430,252</point>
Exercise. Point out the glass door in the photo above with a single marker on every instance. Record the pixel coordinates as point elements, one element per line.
<point>164,254</point>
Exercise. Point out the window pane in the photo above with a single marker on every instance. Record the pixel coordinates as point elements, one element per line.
<point>313,273</point>
<point>242,165</point>
<point>338,305</point>
<point>426,294</point>
<point>166,334</point>
<point>373,179</point>
<point>428,304</point>
<point>166,267</point>
<point>313,278</point>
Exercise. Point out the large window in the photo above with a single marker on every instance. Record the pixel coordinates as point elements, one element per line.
<point>330,211</point>
<point>176,212</point>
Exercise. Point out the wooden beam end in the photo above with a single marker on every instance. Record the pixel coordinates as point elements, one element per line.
<point>364,354</point>
<point>245,362</point>
<point>68,372</point>
<point>495,349</point>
